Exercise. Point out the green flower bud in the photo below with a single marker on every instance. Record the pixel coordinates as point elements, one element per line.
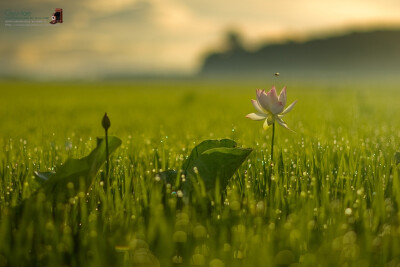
<point>106,122</point>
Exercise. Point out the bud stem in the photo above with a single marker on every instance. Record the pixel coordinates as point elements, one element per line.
<point>106,124</point>
<point>107,156</point>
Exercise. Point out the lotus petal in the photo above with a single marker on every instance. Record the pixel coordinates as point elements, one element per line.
<point>269,101</point>
<point>257,106</point>
<point>259,92</point>
<point>283,124</point>
<point>261,99</point>
<point>266,125</point>
<point>289,108</point>
<point>256,116</point>
<point>282,96</point>
<point>269,121</point>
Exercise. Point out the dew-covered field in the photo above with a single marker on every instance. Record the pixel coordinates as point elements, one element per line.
<point>332,197</point>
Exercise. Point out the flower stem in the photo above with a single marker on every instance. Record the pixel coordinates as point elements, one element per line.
<point>272,142</point>
<point>271,165</point>
<point>107,157</point>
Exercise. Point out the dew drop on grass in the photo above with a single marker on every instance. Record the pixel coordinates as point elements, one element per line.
<point>217,263</point>
<point>227,247</point>
<point>260,207</point>
<point>70,186</point>
<point>179,237</point>
<point>199,231</point>
<point>348,211</point>
<point>177,259</point>
<point>198,260</point>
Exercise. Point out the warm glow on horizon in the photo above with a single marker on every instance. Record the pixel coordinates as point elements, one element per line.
<point>170,36</point>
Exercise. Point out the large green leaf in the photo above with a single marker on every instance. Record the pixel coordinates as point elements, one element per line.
<point>214,159</point>
<point>79,172</point>
<point>43,177</point>
<point>211,160</point>
<point>169,176</point>
<point>219,163</point>
<point>204,146</point>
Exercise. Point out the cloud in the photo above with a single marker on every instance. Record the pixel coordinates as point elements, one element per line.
<point>144,37</point>
<point>107,6</point>
<point>100,36</point>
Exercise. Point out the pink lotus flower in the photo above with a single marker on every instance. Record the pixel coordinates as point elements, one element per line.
<point>270,107</point>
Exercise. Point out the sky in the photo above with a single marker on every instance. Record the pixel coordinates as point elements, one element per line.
<point>120,37</point>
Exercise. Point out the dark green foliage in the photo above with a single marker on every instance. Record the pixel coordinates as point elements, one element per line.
<point>204,146</point>
<point>219,163</point>
<point>211,160</point>
<point>78,173</point>
<point>335,187</point>
<point>397,157</point>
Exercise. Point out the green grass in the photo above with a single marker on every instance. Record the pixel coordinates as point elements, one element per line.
<point>334,197</point>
